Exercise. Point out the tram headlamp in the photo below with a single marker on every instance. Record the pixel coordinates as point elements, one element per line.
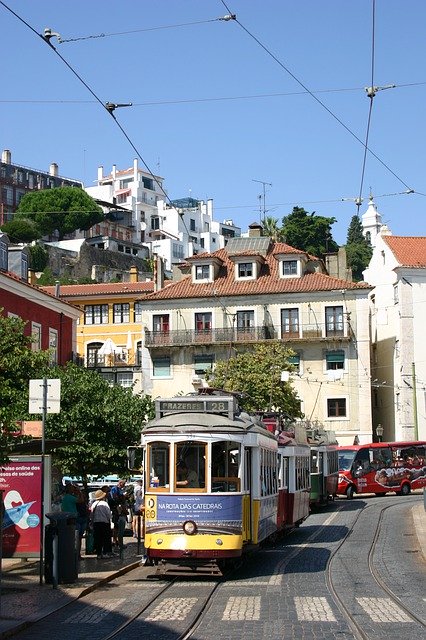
<point>160,541</point>
<point>190,527</point>
<point>219,542</point>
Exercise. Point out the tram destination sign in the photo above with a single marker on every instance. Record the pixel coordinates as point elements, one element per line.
<point>223,405</point>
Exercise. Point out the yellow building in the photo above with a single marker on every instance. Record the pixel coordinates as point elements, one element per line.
<point>109,331</point>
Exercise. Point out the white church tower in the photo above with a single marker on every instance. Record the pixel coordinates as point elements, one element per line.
<point>371,222</point>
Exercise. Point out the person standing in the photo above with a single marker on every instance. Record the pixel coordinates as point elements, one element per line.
<point>101,519</point>
<point>117,503</point>
<point>138,494</point>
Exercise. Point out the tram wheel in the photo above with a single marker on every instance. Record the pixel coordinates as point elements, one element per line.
<point>350,492</point>
<point>405,489</point>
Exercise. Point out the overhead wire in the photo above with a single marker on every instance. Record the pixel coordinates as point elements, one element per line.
<point>125,33</point>
<point>322,104</point>
<point>201,100</point>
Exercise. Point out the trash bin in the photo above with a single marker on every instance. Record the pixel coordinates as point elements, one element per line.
<point>62,527</point>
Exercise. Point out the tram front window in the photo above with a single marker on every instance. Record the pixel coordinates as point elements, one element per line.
<point>191,466</point>
<point>158,461</point>
<point>225,465</point>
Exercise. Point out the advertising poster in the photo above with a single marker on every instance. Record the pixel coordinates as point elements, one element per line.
<point>212,513</point>
<point>20,481</point>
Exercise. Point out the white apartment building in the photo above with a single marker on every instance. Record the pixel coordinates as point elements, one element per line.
<point>397,271</point>
<point>255,290</point>
<point>174,230</point>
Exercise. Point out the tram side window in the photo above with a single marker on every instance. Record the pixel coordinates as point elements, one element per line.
<point>333,461</point>
<point>191,459</point>
<point>158,461</point>
<point>302,473</point>
<point>283,472</point>
<point>314,461</point>
<point>225,466</point>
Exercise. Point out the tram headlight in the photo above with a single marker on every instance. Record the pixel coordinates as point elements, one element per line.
<point>190,527</point>
<point>219,542</point>
<point>159,540</point>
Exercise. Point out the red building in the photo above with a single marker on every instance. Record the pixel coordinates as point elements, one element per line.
<point>51,321</point>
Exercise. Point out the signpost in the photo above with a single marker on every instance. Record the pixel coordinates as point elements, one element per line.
<point>44,398</point>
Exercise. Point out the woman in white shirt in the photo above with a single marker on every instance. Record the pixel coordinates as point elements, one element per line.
<point>101,519</point>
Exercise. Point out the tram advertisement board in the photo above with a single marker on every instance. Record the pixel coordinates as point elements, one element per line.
<point>223,510</point>
<point>20,481</point>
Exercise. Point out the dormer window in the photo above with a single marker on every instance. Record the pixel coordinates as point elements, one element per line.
<point>290,268</point>
<point>202,272</point>
<point>245,270</point>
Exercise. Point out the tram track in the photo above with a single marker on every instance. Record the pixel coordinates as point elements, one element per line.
<point>342,603</point>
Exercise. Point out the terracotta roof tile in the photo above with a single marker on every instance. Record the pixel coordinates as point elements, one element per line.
<point>106,288</point>
<point>268,281</point>
<point>409,251</point>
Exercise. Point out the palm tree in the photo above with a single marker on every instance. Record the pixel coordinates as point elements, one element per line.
<point>271,229</point>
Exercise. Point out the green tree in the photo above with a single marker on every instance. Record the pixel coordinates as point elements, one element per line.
<point>18,365</point>
<point>272,229</point>
<point>358,249</point>
<point>39,257</point>
<point>21,230</point>
<point>257,375</point>
<point>63,209</point>
<point>309,232</point>
<point>99,420</point>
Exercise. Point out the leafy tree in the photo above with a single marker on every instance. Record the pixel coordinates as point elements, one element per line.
<point>39,257</point>
<point>100,420</point>
<point>21,230</point>
<point>257,375</point>
<point>358,249</point>
<point>272,229</point>
<point>309,232</point>
<point>18,365</point>
<point>63,209</point>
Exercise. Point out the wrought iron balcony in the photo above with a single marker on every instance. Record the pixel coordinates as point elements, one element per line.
<point>226,335</point>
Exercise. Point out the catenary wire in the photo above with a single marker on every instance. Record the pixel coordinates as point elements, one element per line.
<point>125,33</point>
<point>322,104</point>
<point>201,100</point>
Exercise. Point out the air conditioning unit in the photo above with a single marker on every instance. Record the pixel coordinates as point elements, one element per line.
<point>196,380</point>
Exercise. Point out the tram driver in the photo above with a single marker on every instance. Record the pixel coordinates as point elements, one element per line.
<point>188,477</point>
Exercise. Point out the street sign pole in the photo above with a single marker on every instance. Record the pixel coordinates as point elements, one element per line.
<point>43,453</point>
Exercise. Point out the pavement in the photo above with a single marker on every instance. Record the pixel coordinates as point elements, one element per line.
<point>24,600</point>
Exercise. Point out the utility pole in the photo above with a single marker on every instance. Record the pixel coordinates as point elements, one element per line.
<point>416,425</point>
<point>263,207</point>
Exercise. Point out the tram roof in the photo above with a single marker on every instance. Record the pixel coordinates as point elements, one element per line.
<point>203,423</point>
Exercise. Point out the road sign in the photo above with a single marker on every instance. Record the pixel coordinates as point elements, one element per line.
<point>51,394</point>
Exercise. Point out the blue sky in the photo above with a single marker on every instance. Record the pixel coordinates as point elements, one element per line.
<point>206,130</point>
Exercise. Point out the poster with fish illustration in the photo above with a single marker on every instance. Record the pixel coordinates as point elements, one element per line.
<point>20,482</point>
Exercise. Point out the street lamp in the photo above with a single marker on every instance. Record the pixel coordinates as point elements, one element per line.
<point>379,432</point>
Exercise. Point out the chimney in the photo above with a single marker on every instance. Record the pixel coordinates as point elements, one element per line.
<point>100,173</point>
<point>32,279</point>
<point>255,230</point>
<point>6,157</point>
<point>135,170</point>
<point>57,289</point>
<point>114,171</point>
<point>53,169</point>
<point>158,273</point>
<point>133,274</point>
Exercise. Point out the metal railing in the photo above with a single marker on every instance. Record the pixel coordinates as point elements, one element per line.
<point>240,335</point>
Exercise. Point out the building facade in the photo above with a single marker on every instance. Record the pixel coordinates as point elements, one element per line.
<point>109,338</point>
<point>397,271</point>
<point>256,290</point>
<point>50,322</point>
<point>16,180</point>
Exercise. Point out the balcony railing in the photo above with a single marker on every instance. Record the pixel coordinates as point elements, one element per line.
<point>185,337</point>
<point>117,361</point>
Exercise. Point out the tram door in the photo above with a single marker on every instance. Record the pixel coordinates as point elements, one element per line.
<point>247,497</point>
